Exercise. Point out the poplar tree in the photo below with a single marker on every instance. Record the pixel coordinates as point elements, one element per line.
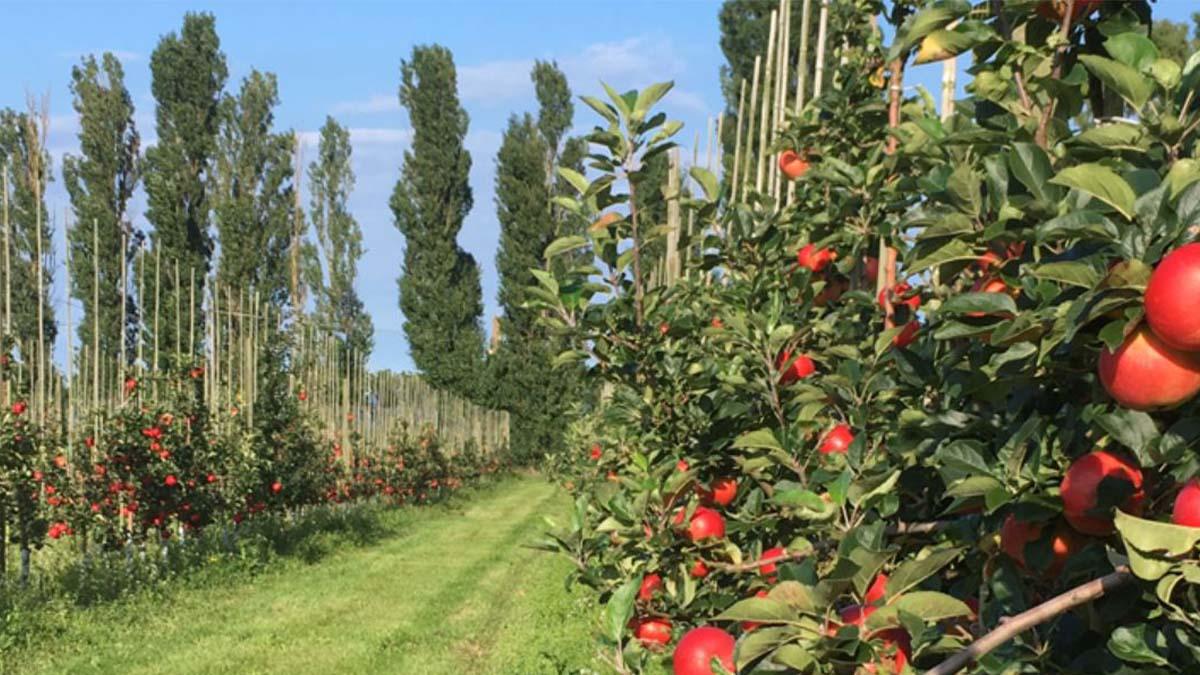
<point>188,73</point>
<point>100,181</point>
<point>253,195</point>
<point>524,381</point>
<point>439,285</point>
<point>331,179</point>
<point>23,155</point>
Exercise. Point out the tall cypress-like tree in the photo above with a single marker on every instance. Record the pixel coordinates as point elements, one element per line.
<point>331,180</point>
<point>253,195</point>
<point>23,155</point>
<point>100,182</point>
<point>524,382</point>
<point>439,287</point>
<point>188,72</point>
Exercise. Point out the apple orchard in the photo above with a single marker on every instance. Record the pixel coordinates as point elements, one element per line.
<point>926,396</point>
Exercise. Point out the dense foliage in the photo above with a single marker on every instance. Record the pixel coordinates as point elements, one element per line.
<point>859,464</point>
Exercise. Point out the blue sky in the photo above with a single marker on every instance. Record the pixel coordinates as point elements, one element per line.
<point>343,58</point>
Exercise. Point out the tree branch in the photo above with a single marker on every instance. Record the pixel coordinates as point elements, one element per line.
<point>1018,73</point>
<point>753,565</point>
<point>1059,54</point>
<point>1026,620</point>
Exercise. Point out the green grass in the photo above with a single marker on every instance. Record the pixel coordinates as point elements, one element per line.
<point>450,590</point>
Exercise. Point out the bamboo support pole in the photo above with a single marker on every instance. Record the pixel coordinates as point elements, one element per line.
<point>764,119</point>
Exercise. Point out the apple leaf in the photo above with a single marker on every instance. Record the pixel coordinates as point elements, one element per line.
<point>930,606</point>
<point>913,572</point>
<point>1151,536</point>
<point>1100,182</point>
<point>984,303</point>
<point>1124,80</point>
<point>759,438</point>
<point>620,609</point>
<point>565,244</point>
<point>762,610</point>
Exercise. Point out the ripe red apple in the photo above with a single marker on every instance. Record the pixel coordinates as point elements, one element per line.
<point>699,570</point>
<point>907,335</point>
<point>901,295</point>
<point>1187,505</point>
<point>1080,490</point>
<point>1015,534</point>
<point>697,649</point>
<point>705,524</point>
<point>815,259</point>
<point>171,481</point>
<point>877,589</point>
<point>651,583</point>
<point>681,465</point>
<point>768,570</point>
<point>799,369</point>
<point>837,441</point>
<point>722,491</point>
<point>276,487</point>
<point>654,631</point>
<point>1171,298</point>
<point>1145,373</point>
<point>792,165</point>
<point>595,453</point>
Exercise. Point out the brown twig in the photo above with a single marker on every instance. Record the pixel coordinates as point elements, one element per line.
<point>753,565</point>
<point>1059,54</point>
<point>1018,72</point>
<point>1026,620</point>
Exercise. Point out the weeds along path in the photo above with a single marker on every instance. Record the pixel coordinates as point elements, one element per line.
<point>454,592</point>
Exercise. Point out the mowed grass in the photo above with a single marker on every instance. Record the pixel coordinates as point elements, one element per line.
<point>452,591</point>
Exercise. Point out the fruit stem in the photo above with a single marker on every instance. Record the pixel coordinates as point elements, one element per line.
<point>1031,618</point>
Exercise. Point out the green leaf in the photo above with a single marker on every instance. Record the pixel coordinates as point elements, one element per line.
<point>649,97</point>
<point>1100,182</point>
<point>1124,80</point>
<point>573,177</point>
<point>1073,273</point>
<point>953,250</point>
<point>1030,165</point>
<point>983,303</point>
<point>1131,428</point>
<point>620,609</point>
<point>930,606</point>
<point>1131,643</point>
<point>606,111</point>
<point>707,181</point>
<point>802,599</point>
<point>1151,536</point>
<point>1182,173</point>
<point>762,610</point>
<point>885,487</point>
<point>759,438</point>
<point>1114,136</point>
<point>565,244</point>
<point>913,572</point>
<point>1132,49</point>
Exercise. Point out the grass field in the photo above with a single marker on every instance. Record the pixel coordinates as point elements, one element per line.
<point>449,590</point>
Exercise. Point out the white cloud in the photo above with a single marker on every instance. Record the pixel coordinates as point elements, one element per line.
<point>495,80</point>
<point>376,103</point>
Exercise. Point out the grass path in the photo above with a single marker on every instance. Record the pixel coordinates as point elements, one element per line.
<point>453,592</point>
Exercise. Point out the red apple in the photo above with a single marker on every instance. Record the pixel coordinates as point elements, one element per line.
<point>699,570</point>
<point>901,295</point>
<point>1171,298</point>
<point>722,491</point>
<point>768,570</point>
<point>837,441</point>
<point>1015,534</point>
<point>1055,10</point>
<point>907,335</point>
<point>681,465</point>
<point>1080,490</point>
<point>792,165</point>
<point>697,649</point>
<point>1187,505</point>
<point>815,259</point>
<point>1145,373</point>
<point>171,481</point>
<point>798,369</point>
<point>705,524</point>
<point>654,631</point>
<point>877,589</point>
<point>276,487</point>
<point>595,453</point>
<point>651,583</point>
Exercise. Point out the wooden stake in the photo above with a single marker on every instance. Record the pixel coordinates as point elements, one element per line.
<point>764,119</point>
